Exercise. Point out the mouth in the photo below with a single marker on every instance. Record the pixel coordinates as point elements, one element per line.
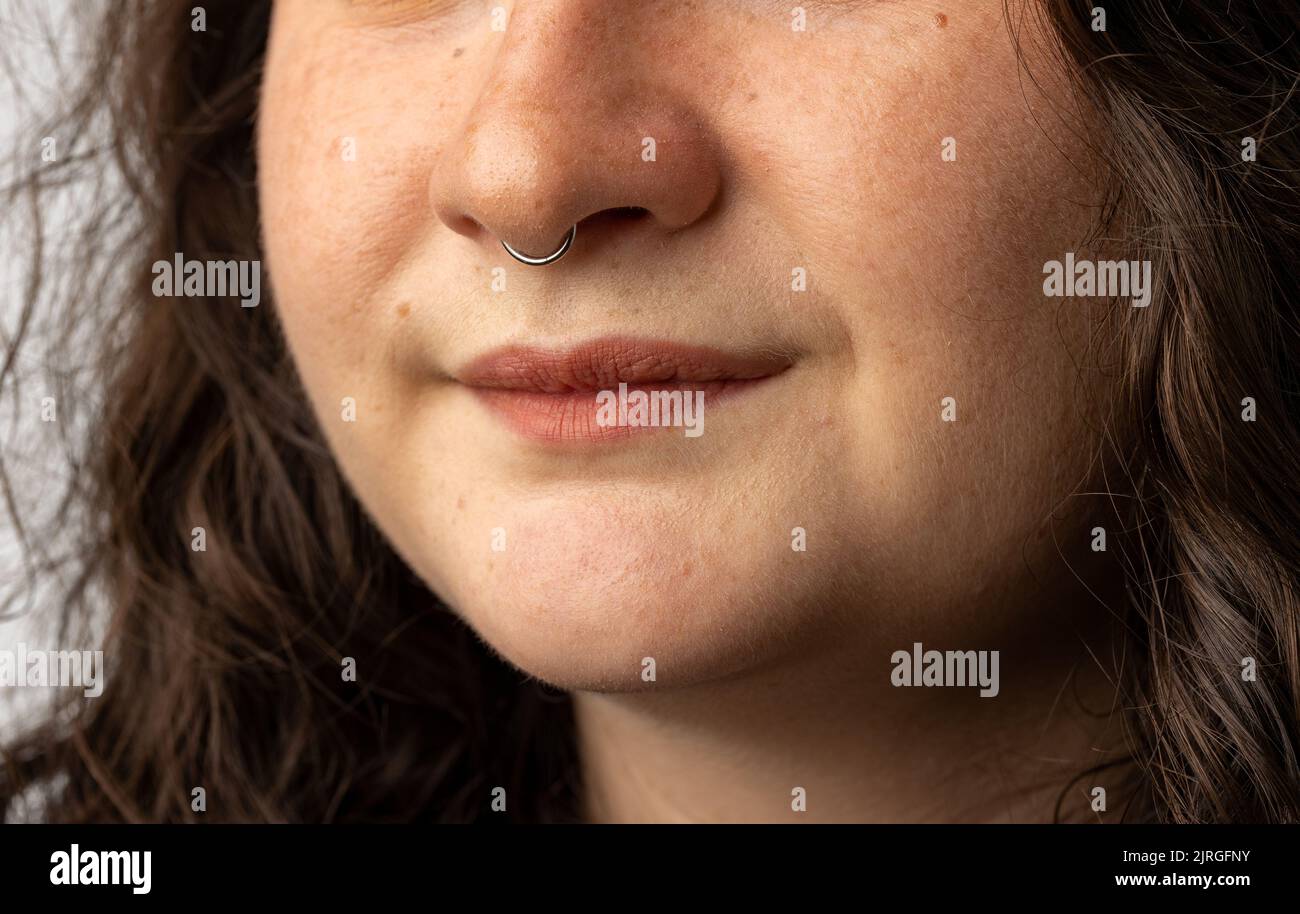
<point>615,387</point>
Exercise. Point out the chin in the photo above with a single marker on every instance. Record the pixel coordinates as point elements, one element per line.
<point>581,596</point>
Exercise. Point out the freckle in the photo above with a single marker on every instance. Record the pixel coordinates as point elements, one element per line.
<point>686,570</point>
<point>404,310</point>
<point>940,20</point>
<point>457,52</point>
<point>460,503</point>
<point>752,96</point>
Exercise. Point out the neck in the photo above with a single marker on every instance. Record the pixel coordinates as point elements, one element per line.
<point>861,749</point>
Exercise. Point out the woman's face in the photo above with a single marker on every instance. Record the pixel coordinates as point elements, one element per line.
<point>766,214</point>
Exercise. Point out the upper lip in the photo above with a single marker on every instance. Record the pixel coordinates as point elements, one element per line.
<point>604,363</point>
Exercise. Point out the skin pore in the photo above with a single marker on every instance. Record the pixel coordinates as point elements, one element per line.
<point>400,143</point>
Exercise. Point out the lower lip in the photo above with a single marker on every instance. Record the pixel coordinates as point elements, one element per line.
<point>572,417</point>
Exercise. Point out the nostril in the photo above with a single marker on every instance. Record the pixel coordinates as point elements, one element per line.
<point>615,217</point>
<point>462,224</point>
<point>467,225</point>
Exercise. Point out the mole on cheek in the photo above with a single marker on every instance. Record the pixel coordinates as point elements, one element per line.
<point>940,20</point>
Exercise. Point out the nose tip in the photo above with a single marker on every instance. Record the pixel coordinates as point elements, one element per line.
<point>513,177</point>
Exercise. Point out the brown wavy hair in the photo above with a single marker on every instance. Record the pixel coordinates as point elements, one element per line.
<point>224,665</point>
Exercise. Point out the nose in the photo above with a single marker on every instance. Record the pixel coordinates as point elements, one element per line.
<point>571,129</point>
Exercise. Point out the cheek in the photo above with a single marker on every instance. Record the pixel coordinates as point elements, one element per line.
<point>344,171</point>
<point>934,264</point>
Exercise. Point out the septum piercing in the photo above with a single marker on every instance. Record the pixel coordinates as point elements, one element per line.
<point>550,258</point>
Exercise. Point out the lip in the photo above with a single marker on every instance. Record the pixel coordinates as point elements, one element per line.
<point>551,394</point>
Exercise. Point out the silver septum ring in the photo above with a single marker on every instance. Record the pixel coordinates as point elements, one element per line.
<point>549,258</point>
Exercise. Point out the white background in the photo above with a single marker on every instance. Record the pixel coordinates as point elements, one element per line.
<point>32,79</point>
